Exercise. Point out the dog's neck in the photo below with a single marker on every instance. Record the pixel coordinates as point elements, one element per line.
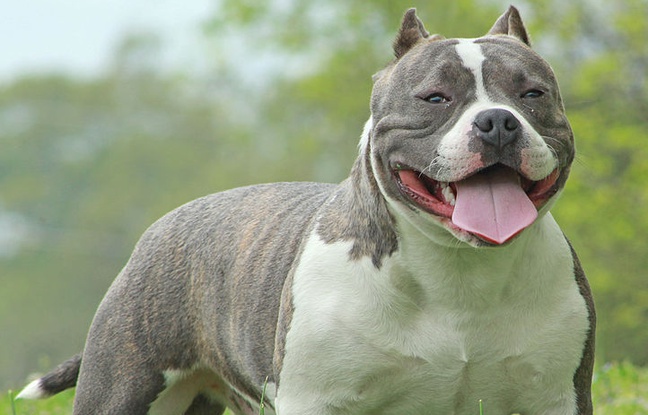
<point>358,212</point>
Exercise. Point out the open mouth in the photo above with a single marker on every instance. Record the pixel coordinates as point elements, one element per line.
<point>494,204</point>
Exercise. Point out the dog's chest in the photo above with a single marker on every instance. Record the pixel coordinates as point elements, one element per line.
<point>424,338</point>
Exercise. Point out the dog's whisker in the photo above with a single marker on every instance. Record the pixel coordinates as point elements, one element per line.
<point>549,142</point>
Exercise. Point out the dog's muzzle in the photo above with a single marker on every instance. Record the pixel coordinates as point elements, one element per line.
<point>494,202</point>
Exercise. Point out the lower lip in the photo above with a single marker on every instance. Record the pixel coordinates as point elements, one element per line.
<point>540,192</point>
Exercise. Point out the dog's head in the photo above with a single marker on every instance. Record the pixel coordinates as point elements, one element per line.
<point>468,135</point>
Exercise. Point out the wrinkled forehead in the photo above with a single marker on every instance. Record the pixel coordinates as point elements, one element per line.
<point>495,55</point>
<point>513,57</point>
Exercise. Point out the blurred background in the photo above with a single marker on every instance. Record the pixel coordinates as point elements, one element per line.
<point>114,112</point>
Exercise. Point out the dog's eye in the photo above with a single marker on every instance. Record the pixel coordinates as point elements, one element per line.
<point>533,93</point>
<point>436,98</point>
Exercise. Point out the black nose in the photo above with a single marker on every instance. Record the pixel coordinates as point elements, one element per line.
<point>498,127</point>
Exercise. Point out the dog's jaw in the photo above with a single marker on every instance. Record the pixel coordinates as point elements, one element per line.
<point>439,198</point>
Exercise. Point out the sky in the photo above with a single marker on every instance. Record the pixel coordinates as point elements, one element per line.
<point>79,36</point>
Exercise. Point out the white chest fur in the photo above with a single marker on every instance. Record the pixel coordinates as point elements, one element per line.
<point>435,330</point>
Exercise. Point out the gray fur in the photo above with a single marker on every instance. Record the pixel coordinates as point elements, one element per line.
<point>359,213</point>
<point>510,23</point>
<point>399,120</point>
<point>62,377</point>
<point>208,287</point>
<point>411,32</point>
<point>196,278</point>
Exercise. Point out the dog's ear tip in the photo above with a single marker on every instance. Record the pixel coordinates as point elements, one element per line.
<point>410,13</point>
<point>510,23</point>
<point>411,32</point>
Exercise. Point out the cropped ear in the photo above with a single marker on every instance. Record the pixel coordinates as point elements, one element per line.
<point>411,32</point>
<point>510,23</point>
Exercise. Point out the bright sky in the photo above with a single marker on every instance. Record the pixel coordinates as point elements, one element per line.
<point>80,36</point>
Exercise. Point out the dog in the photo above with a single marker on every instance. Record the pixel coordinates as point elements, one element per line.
<point>433,280</point>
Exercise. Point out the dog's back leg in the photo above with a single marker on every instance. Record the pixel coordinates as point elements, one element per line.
<point>138,390</point>
<point>103,391</point>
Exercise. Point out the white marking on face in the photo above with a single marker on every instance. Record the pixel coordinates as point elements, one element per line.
<point>472,58</point>
<point>455,159</point>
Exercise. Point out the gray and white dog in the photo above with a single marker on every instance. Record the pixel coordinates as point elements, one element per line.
<point>432,278</point>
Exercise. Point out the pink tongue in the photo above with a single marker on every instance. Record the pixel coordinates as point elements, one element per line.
<point>493,206</point>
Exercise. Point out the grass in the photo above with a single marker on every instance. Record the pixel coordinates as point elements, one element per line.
<point>56,405</point>
<point>618,389</point>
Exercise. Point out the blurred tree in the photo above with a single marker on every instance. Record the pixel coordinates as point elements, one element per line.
<point>86,166</point>
<point>328,52</point>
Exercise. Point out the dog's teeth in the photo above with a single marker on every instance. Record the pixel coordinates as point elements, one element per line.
<point>447,193</point>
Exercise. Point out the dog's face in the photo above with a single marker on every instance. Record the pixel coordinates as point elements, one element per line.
<point>469,134</point>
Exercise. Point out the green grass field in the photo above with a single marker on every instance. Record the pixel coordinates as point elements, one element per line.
<point>619,389</point>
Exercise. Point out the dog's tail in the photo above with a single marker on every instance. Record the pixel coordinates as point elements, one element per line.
<point>63,377</point>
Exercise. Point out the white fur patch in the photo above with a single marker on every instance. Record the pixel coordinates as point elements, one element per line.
<point>455,159</point>
<point>33,391</point>
<point>182,386</point>
<point>364,138</point>
<point>472,58</point>
<point>435,329</point>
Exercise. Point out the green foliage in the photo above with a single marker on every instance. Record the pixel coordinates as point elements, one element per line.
<point>619,389</point>
<point>89,165</point>
<point>57,405</point>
